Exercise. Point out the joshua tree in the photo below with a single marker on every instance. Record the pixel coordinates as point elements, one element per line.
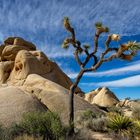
<point>123,51</point>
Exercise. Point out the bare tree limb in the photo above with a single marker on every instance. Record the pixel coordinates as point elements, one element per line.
<point>77,58</point>
<point>108,41</point>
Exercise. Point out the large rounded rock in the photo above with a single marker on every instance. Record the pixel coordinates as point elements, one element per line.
<point>1,49</point>
<point>58,76</point>
<point>105,98</point>
<point>14,103</point>
<point>89,96</point>
<point>36,62</point>
<point>9,41</point>
<point>9,52</point>
<point>56,97</point>
<point>26,63</point>
<point>19,42</point>
<point>5,70</point>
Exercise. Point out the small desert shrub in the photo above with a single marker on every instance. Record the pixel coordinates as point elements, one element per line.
<point>136,112</point>
<point>45,124</point>
<point>1,131</point>
<point>94,121</point>
<point>15,130</point>
<point>88,114</point>
<point>85,118</point>
<point>36,124</point>
<point>27,137</point>
<point>115,109</point>
<point>99,124</point>
<point>120,124</point>
<point>5,133</point>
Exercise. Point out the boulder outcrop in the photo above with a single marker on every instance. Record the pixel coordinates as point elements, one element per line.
<point>29,81</point>
<point>55,97</point>
<point>102,97</point>
<point>19,58</point>
<point>90,95</point>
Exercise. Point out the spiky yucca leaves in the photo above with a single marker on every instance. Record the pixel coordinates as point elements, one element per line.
<point>133,46</point>
<point>65,44</point>
<point>86,46</point>
<point>98,24</point>
<point>101,28</point>
<point>66,23</point>
<point>120,124</point>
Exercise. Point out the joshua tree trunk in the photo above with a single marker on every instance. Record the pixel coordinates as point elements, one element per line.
<point>71,102</point>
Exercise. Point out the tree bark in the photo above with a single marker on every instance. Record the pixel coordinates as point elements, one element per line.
<point>71,102</point>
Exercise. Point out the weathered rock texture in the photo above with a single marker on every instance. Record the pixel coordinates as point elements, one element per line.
<point>14,102</point>
<point>55,97</point>
<point>19,58</point>
<point>89,96</point>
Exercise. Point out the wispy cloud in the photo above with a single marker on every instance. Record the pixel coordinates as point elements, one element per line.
<point>130,69</point>
<point>119,71</point>
<point>57,52</point>
<point>133,81</point>
<point>43,19</point>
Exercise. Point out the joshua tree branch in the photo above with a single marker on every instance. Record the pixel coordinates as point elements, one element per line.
<point>99,63</point>
<point>77,57</point>
<point>108,41</point>
<point>96,38</point>
<point>99,31</point>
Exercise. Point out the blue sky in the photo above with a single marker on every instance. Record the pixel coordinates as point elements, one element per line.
<point>40,21</point>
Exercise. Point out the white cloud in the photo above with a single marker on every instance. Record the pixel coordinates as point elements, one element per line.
<point>119,71</point>
<point>133,81</point>
<point>131,68</point>
<point>72,75</point>
<point>47,15</point>
<point>55,51</point>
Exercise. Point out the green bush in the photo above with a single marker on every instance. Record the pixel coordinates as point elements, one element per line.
<point>120,124</point>
<point>15,130</point>
<point>45,124</point>
<point>5,133</point>
<point>88,114</point>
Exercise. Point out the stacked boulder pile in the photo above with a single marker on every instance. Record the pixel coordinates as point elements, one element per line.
<point>19,58</point>
<point>29,81</point>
